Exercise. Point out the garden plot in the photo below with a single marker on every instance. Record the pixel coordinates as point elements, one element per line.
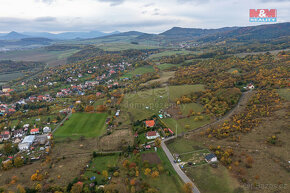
<point>194,158</point>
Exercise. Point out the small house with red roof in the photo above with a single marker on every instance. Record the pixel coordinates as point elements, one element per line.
<point>150,123</point>
<point>34,131</point>
<point>152,135</point>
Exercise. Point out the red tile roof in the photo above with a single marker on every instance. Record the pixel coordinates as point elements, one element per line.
<point>151,133</point>
<point>34,130</point>
<point>150,123</point>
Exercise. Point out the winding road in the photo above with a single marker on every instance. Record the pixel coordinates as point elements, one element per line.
<point>240,105</point>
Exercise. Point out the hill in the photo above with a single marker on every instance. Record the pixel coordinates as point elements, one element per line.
<point>260,32</point>
<point>12,36</point>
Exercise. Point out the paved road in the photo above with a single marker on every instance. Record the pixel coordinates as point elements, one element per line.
<point>243,100</point>
<point>178,170</point>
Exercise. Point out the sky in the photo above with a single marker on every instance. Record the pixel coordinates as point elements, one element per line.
<point>151,16</point>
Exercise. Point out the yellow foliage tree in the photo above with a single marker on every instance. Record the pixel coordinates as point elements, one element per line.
<point>147,171</point>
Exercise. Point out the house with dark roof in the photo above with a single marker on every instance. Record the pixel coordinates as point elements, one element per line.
<point>209,158</point>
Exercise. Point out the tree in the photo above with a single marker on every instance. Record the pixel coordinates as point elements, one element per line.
<point>8,149</point>
<point>155,174</point>
<point>18,162</point>
<point>7,165</point>
<point>20,189</point>
<point>147,171</point>
<point>132,182</point>
<point>105,174</point>
<point>126,163</point>
<point>77,187</point>
<point>187,187</point>
<point>157,142</point>
<point>33,177</point>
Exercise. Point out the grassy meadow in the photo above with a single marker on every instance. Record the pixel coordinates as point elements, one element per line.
<point>83,124</point>
<point>138,71</point>
<point>219,178</point>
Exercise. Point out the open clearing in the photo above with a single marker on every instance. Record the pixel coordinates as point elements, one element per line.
<point>265,155</point>
<point>169,53</point>
<point>166,66</point>
<point>52,58</point>
<point>206,178</point>
<point>284,93</point>
<point>178,91</point>
<point>101,163</point>
<point>125,46</point>
<point>167,183</point>
<point>139,71</point>
<point>83,124</point>
<point>116,141</point>
<point>143,104</point>
<point>151,157</point>
<point>164,76</point>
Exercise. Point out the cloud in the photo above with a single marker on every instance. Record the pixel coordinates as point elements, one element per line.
<point>45,19</point>
<point>47,1</point>
<point>126,15</point>
<point>113,2</point>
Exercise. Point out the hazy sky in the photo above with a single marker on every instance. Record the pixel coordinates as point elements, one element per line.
<point>124,15</point>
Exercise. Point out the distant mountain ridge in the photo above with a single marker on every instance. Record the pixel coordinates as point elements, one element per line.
<point>12,36</point>
<point>60,36</point>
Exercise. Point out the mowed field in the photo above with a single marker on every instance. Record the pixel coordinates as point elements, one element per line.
<point>83,124</point>
<point>52,58</point>
<point>139,71</point>
<point>144,104</point>
<point>284,93</point>
<point>169,53</point>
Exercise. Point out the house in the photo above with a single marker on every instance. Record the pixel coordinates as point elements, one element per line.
<point>46,130</point>
<point>250,86</point>
<point>26,142</point>
<point>152,135</point>
<point>150,123</point>
<point>18,133</point>
<point>209,158</point>
<point>23,146</point>
<point>5,135</point>
<point>117,113</point>
<point>5,89</point>
<point>34,131</point>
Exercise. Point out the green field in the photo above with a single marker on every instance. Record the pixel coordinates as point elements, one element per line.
<point>284,93</point>
<point>83,124</point>
<point>144,104</point>
<point>138,71</point>
<point>165,66</point>
<point>10,76</point>
<point>52,58</point>
<point>125,46</point>
<point>169,53</point>
<point>233,69</point>
<point>178,91</point>
<point>219,178</point>
<point>185,108</point>
<point>167,183</point>
<point>101,163</point>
